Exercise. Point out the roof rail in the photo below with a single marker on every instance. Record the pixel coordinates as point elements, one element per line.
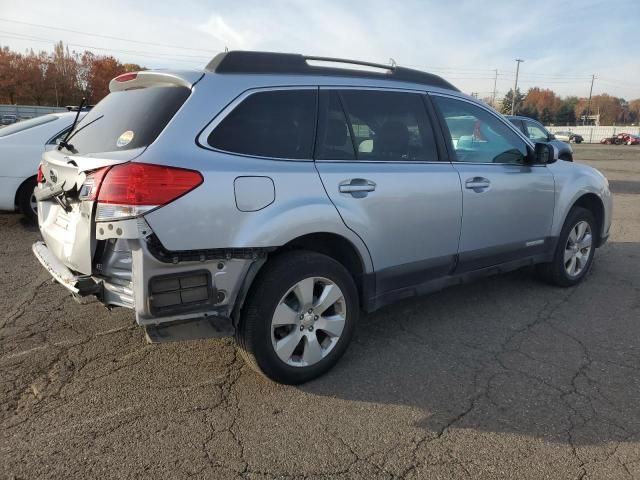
<point>239,61</point>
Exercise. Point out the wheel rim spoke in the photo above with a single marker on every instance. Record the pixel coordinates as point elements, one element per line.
<point>585,242</point>
<point>571,268</point>
<point>329,296</point>
<point>284,315</point>
<point>286,346</point>
<point>304,291</point>
<point>332,325</point>
<point>568,255</point>
<point>581,229</point>
<point>312,350</point>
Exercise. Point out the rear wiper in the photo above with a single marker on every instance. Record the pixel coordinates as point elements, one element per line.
<point>64,143</point>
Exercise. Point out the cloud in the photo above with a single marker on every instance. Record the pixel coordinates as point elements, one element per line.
<point>218,28</point>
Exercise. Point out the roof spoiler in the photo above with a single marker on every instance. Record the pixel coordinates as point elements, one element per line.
<point>151,78</point>
<point>296,64</point>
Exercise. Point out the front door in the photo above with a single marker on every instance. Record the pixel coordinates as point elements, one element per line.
<point>507,203</point>
<point>382,172</point>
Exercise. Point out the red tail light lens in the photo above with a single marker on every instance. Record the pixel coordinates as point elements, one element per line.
<point>146,184</point>
<point>91,185</point>
<point>40,177</point>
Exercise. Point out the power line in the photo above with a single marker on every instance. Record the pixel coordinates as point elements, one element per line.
<point>107,50</point>
<point>109,37</point>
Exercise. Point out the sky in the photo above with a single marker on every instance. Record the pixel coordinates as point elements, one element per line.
<point>562,43</point>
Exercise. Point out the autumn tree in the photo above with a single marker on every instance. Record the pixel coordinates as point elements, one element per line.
<point>59,78</point>
<point>609,108</point>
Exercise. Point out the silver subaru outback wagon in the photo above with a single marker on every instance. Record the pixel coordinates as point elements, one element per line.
<point>275,196</point>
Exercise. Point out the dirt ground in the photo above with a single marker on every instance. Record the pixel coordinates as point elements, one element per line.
<point>505,378</point>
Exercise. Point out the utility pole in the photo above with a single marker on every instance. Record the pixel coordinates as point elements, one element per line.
<point>515,88</point>
<point>495,82</point>
<point>589,103</point>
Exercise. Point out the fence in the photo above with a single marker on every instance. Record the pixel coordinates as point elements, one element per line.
<point>592,134</point>
<point>28,111</point>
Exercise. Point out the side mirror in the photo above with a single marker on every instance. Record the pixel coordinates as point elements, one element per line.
<point>543,154</point>
<point>551,137</point>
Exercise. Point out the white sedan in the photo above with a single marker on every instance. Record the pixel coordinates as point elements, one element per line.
<point>21,148</point>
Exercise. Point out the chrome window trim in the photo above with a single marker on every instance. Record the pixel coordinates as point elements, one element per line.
<point>201,139</point>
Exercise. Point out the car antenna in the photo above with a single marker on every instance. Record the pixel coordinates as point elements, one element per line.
<point>64,143</point>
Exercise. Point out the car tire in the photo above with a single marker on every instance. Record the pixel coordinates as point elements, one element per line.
<point>25,198</point>
<point>280,335</point>
<point>572,259</point>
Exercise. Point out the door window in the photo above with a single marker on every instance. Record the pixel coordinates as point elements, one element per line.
<point>536,133</point>
<point>388,126</point>
<point>277,124</point>
<point>477,136</point>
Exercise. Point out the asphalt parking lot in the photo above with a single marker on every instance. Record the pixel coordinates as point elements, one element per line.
<point>506,378</point>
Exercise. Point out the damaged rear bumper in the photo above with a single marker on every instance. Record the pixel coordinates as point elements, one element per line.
<point>175,295</point>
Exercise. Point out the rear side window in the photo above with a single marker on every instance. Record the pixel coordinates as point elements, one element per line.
<point>26,125</point>
<point>128,119</point>
<point>276,124</point>
<point>389,126</point>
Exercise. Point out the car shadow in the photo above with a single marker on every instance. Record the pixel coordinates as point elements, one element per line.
<point>508,354</point>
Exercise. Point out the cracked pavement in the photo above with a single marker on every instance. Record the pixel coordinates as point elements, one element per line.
<point>503,378</point>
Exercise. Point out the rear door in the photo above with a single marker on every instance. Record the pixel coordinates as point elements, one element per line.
<point>379,163</point>
<point>508,204</point>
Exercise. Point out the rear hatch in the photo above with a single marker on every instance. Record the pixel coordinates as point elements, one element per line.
<point>115,131</point>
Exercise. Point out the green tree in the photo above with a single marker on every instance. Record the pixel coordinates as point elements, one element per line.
<point>505,108</point>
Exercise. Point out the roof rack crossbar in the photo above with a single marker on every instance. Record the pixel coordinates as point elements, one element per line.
<point>249,62</point>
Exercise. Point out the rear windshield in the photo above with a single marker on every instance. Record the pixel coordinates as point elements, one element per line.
<point>127,120</point>
<point>26,124</point>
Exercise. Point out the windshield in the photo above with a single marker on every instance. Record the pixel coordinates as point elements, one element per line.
<point>27,124</point>
<point>127,120</point>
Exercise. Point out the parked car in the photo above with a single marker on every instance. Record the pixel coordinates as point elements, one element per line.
<point>273,199</point>
<point>21,148</point>
<point>8,119</point>
<point>621,139</point>
<point>568,137</point>
<point>537,133</point>
<point>632,139</point>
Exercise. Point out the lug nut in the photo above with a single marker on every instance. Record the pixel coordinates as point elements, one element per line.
<point>315,317</point>
<point>301,316</point>
<point>311,329</point>
<point>310,310</point>
<point>301,327</point>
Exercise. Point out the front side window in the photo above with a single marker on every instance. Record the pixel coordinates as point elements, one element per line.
<point>536,133</point>
<point>276,124</point>
<point>389,126</point>
<point>477,136</point>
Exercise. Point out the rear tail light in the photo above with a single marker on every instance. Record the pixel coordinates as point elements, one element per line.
<point>131,189</point>
<point>40,178</point>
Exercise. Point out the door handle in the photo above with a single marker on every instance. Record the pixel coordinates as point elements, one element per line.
<point>357,187</point>
<point>477,183</point>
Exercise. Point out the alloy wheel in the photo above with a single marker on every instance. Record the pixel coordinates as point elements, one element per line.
<point>578,249</point>
<point>308,321</point>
